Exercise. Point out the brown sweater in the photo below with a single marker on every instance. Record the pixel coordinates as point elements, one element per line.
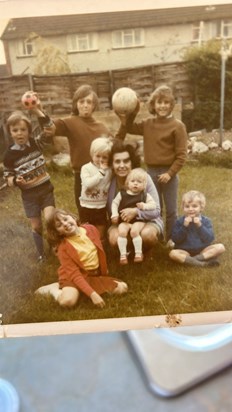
<point>165,141</point>
<point>80,133</point>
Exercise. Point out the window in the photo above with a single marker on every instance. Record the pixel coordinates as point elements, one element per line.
<point>197,31</point>
<point>82,42</point>
<point>128,38</point>
<point>224,29</point>
<point>25,48</point>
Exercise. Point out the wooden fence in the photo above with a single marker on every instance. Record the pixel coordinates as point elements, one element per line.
<point>56,92</point>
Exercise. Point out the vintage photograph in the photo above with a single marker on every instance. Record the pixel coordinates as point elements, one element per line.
<point>115,165</point>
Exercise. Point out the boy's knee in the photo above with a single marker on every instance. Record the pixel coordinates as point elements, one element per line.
<point>221,248</point>
<point>121,288</point>
<point>172,254</point>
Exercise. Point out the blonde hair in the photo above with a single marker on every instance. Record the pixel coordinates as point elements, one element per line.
<point>101,145</point>
<point>161,92</point>
<point>138,172</point>
<point>193,195</point>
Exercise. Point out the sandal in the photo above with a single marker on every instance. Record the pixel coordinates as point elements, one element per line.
<point>123,260</point>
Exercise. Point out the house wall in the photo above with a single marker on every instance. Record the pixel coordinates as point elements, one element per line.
<point>161,45</point>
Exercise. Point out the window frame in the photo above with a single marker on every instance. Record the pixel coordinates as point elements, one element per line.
<point>90,38</point>
<point>23,46</point>
<point>125,33</point>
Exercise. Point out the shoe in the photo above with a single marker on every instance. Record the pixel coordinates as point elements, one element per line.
<point>123,260</point>
<point>212,262</point>
<point>47,289</point>
<point>138,258</point>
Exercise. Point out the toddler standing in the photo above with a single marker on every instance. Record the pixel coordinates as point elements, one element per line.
<point>95,181</point>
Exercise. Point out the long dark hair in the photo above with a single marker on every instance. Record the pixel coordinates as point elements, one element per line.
<point>82,92</point>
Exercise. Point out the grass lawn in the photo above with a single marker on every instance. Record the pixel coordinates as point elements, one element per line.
<point>156,287</point>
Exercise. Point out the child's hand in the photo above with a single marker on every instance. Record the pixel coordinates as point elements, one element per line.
<point>128,116</point>
<point>104,165</point>
<point>187,221</point>
<point>197,221</point>
<point>50,131</point>
<point>164,178</point>
<point>97,300</point>
<point>140,205</point>
<point>114,220</point>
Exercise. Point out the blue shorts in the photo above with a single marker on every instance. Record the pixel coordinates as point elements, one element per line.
<point>36,199</point>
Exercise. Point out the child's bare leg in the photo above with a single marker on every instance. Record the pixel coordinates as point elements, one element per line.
<point>37,232</point>
<point>121,288</point>
<point>211,252</point>
<point>68,297</point>
<point>123,230</point>
<point>102,231</point>
<point>184,257</point>
<point>137,240</point>
<point>48,211</point>
<point>178,255</point>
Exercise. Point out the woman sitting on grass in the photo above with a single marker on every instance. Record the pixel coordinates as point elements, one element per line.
<point>83,266</point>
<point>123,158</point>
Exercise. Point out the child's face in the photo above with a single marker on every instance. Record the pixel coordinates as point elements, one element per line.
<point>136,184</point>
<point>66,225</point>
<point>19,132</point>
<point>163,107</point>
<point>192,208</point>
<point>100,159</point>
<point>85,106</point>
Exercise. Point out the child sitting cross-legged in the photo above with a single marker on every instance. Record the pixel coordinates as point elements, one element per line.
<point>83,266</point>
<point>193,234</point>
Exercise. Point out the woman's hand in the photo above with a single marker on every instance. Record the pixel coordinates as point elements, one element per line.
<point>128,214</point>
<point>164,178</point>
<point>97,300</point>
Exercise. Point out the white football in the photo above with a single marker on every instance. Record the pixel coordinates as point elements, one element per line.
<point>124,100</point>
<point>30,100</point>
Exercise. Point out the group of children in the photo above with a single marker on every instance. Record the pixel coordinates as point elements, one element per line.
<point>82,258</point>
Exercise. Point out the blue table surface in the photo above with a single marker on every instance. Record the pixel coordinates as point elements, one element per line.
<point>95,372</point>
